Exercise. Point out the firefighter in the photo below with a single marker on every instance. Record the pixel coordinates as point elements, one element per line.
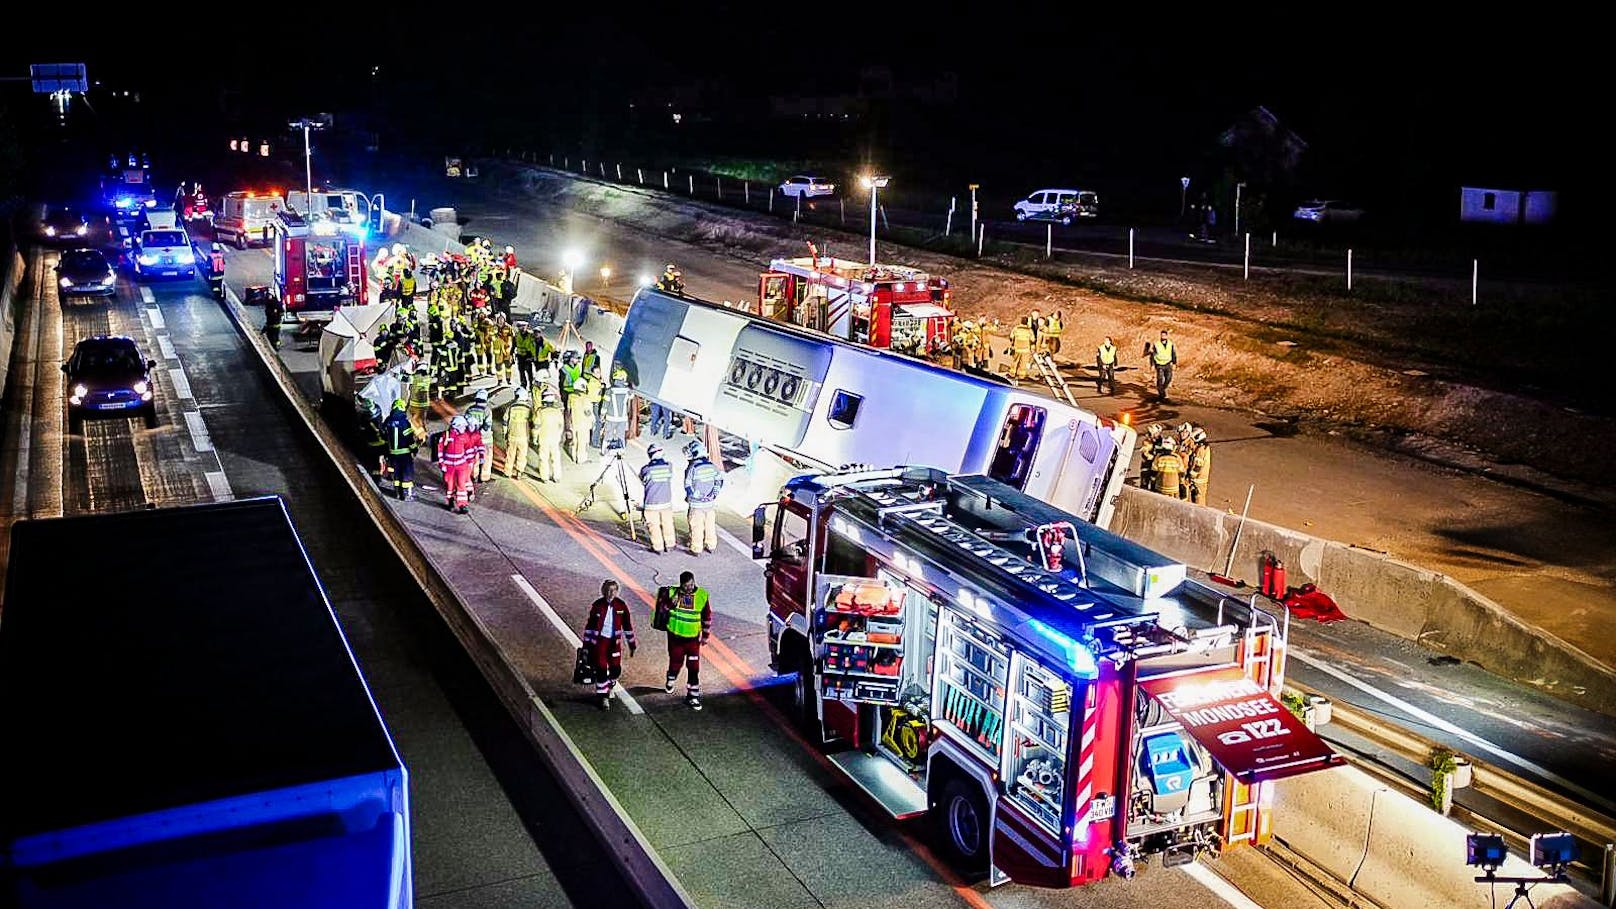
<point>672,280</point>
<point>657,478</point>
<point>398,432</point>
<point>526,348</point>
<point>1051,334</point>
<point>274,312</point>
<point>434,321</point>
<point>580,414</point>
<point>1163,356</point>
<point>481,418</point>
<point>1105,364</point>
<point>607,628</point>
<point>690,624</point>
<point>1199,474</point>
<point>406,288</point>
<point>370,436</point>
<point>544,357</point>
<point>446,362</point>
<point>595,394</point>
<point>420,398</point>
<point>548,426</point>
<point>519,422</point>
<point>504,338</point>
<point>1147,456</point>
<point>457,456</point>
<point>464,341</point>
<point>591,359</point>
<point>510,259</point>
<point>614,411</point>
<point>1036,320</point>
<point>1021,341</point>
<point>1169,469</point>
<point>571,374</point>
<point>483,331</point>
<point>703,482</point>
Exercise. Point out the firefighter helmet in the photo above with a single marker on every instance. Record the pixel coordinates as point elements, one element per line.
<point>460,423</point>
<point>653,451</point>
<point>482,395</point>
<point>695,451</point>
<point>547,395</point>
<point>1167,444</point>
<point>521,395</point>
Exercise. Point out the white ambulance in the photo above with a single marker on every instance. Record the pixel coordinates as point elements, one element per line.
<point>245,218</point>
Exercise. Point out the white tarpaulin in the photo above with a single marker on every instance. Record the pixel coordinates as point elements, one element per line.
<point>343,353</point>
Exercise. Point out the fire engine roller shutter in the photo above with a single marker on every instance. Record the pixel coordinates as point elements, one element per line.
<point>1239,723</point>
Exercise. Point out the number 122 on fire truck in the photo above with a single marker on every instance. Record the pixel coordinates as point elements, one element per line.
<point>1001,667</point>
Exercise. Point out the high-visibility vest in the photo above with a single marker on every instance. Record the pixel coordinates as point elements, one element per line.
<point>685,621</point>
<point>594,388</point>
<point>400,436</point>
<point>1169,471</point>
<point>1108,354</point>
<point>1052,327</point>
<point>1164,353</point>
<point>480,415</point>
<point>517,419</point>
<point>420,390</point>
<point>407,286</point>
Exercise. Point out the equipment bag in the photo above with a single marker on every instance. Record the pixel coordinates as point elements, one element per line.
<point>664,608</point>
<point>584,670</point>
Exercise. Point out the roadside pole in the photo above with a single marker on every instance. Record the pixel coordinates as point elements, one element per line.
<point>664,180</point>
<point>1248,257</point>
<point>974,188</point>
<point>1130,247</point>
<point>1349,268</point>
<point>1049,240</point>
<point>692,179</point>
<point>981,237</point>
<point>1475,279</point>
<point>718,183</point>
<point>639,174</point>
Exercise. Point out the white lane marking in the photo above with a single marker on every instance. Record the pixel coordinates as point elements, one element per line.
<point>182,385</point>
<point>154,314</point>
<point>734,543</point>
<point>19,496</point>
<point>1437,722</point>
<point>220,485</point>
<point>568,635</point>
<point>199,431</point>
<point>1220,888</point>
<point>147,296</point>
<point>167,347</point>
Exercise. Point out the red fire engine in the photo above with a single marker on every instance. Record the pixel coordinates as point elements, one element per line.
<point>319,265</point>
<point>886,306</point>
<point>1060,702</point>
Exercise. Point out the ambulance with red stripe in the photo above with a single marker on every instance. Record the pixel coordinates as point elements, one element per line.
<point>1059,702</point>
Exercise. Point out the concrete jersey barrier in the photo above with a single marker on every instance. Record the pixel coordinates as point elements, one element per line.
<point>1393,596</point>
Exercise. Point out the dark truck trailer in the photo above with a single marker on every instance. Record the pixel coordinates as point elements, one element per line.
<point>189,734</point>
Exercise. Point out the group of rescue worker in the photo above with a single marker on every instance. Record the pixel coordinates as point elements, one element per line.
<point>685,613</point>
<point>1031,336</point>
<point>1176,462</point>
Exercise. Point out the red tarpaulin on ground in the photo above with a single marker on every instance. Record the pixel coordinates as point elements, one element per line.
<point>1308,602</point>
<point>1239,723</point>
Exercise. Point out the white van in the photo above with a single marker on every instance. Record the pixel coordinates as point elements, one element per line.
<point>1063,205</point>
<point>245,218</point>
<point>342,206</point>
<point>163,251</point>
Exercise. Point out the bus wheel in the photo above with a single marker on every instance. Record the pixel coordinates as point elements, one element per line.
<point>960,819</point>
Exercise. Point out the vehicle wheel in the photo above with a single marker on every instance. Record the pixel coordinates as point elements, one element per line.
<point>75,423</point>
<point>150,416</point>
<point>960,820</point>
<point>1066,221</point>
<point>1021,216</point>
<point>241,241</point>
<point>804,694</point>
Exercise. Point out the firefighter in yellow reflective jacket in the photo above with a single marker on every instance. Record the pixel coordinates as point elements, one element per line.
<point>518,423</point>
<point>1169,470</point>
<point>420,399</point>
<point>1021,338</point>
<point>703,482</point>
<point>1050,337</point>
<point>548,427</point>
<point>1105,362</point>
<point>580,417</point>
<point>1198,477</point>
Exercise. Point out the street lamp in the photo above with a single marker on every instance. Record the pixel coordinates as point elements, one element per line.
<point>305,124</point>
<point>571,261</point>
<point>1183,195</point>
<point>605,275</point>
<point>874,183</point>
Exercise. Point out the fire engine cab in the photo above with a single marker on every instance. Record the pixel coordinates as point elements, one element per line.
<point>886,306</point>
<point>319,265</point>
<point>1060,702</point>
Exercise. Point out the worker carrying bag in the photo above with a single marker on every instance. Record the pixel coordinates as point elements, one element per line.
<point>584,670</point>
<point>664,609</point>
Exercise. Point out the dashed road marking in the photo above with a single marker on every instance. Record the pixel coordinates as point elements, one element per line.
<point>571,637</point>
<point>199,431</point>
<point>147,296</point>
<point>220,485</point>
<point>734,543</point>
<point>167,347</point>
<point>182,385</point>
<point>155,314</point>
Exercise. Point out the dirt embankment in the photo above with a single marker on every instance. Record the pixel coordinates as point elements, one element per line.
<point>1371,365</point>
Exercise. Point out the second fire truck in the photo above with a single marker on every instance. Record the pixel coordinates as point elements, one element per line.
<point>319,265</point>
<point>1047,693</point>
<point>886,306</point>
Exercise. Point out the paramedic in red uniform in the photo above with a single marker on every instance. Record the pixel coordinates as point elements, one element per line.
<point>608,627</point>
<point>690,623</point>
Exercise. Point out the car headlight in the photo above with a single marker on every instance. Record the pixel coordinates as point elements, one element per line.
<point>50,230</point>
<point>110,277</point>
<point>66,282</point>
<point>185,257</point>
<point>122,203</point>
<point>141,387</point>
<point>147,259</point>
<point>151,203</point>
<point>81,229</point>
<point>80,391</point>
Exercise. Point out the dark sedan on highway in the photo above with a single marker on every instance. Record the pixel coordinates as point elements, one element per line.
<point>63,225</point>
<point>85,271</point>
<point>107,377</point>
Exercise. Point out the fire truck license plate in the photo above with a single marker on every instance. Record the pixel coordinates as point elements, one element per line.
<point>1102,808</point>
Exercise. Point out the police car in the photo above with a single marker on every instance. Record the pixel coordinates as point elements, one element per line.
<point>162,248</point>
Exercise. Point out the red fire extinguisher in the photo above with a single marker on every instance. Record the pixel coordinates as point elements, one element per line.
<point>1273,576</point>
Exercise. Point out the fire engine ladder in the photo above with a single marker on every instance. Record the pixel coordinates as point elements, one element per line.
<point>1051,374</point>
<point>1257,661</point>
<point>356,271</point>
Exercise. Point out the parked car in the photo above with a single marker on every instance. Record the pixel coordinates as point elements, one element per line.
<point>108,377</point>
<point>1327,211</point>
<point>85,271</point>
<point>807,187</point>
<point>1062,205</point>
